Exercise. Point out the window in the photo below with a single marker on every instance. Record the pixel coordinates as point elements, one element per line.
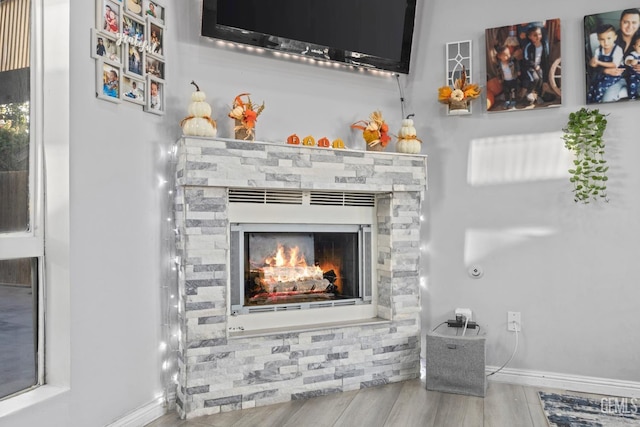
<point>21,240</point>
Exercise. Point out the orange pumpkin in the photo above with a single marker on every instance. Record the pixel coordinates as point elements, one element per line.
<point>293,139</point>
<point>490,100</point>
<point>324,142</point>
<point>494,86</point>
<point>338,143</point>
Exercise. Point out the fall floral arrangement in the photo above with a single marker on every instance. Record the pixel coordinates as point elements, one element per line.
<point>375,132</point>
<point>245,114</point>
<point>459,96</point>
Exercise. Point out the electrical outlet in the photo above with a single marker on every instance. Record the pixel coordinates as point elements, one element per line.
<point>466,312</point>
<point>514,321</point>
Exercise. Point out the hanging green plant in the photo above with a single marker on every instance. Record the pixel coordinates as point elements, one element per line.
<point>583,136</point>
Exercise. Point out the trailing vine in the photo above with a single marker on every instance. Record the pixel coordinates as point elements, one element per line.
<point>583,136</point>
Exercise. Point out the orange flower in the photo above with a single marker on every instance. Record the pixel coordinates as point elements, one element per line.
<point>471,91</point>
<point>250,118</point>
<point>246,113</point>
<point>444,93</point>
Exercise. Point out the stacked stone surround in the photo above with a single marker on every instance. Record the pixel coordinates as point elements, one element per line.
<point>220,371</point>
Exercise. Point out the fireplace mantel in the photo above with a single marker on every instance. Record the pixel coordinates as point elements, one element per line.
<point>234,163</point>
<point>222,371</point>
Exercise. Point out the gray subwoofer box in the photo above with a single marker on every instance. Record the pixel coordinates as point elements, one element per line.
<point>456,364</point>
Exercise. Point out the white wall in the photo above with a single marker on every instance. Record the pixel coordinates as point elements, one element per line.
<point>567,268</point>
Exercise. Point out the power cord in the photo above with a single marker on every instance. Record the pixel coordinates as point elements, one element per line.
<point>401,95</point>
<point>515,349</point>
<point>434,329</point>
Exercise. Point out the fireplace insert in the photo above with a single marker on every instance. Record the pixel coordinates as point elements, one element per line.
<point>278,267</point>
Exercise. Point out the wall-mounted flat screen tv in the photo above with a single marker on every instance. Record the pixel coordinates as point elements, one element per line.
<point>365,33</point>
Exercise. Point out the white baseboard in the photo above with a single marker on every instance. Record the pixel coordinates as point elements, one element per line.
<point>143,415</point>
<point>604,386</point>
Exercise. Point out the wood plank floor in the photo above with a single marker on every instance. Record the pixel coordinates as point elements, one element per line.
<point>403,404</point>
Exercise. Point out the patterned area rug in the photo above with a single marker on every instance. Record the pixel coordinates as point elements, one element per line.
<point>564,410</point>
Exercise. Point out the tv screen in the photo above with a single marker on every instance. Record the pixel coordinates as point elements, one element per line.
<point>365,33</point>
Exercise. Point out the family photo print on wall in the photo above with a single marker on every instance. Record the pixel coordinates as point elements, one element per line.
<point>523,66</point>
<point>612,56</point>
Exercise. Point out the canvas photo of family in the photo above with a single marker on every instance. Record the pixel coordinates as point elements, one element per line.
<point>612,56</point>
<point>523,66</point>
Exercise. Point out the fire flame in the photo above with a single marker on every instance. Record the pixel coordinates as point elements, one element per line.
<point>295,258</point>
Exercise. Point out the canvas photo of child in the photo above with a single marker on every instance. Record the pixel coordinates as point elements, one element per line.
<point>523,66</point>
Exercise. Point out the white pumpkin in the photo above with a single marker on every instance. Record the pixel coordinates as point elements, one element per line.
<point>407,139</point>
<point>199,126</point>
<point>199,108</point>
<point>199,122</point>
<point>198,95</point>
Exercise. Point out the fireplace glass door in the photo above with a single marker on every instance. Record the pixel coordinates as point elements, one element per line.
<point>297,268</point>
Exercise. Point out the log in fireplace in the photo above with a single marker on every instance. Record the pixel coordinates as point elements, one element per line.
<point>284,266</point>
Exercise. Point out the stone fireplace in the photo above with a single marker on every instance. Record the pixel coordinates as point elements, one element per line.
<point>299,271</point>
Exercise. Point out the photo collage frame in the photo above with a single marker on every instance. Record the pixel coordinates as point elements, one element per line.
<point>128,46</point>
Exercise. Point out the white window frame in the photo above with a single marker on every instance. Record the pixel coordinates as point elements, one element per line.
<point>30,243</point>
<point>49,187</point>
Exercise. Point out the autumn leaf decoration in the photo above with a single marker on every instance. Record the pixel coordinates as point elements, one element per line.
<point>461,92</point>
<point>245,112</point>
<point>375,131</point>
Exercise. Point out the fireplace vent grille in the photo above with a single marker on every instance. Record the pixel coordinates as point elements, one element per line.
<point>336,198</point>
<point>281,197</point>
<point>294,307</point>
<point>294,197</point>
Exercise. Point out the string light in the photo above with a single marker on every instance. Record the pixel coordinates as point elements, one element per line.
<point>295,57</point>
<point>168,347</point>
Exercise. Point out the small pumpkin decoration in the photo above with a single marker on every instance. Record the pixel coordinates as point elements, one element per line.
<point>293,139</point>
<point>324,142</point>
<point>309,141</point>
<point>337,143</point>
<point>407,140</point>
<point>199,121</point>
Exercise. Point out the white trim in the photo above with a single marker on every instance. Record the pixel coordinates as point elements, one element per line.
<point>584,384</point>
<point>143,415</point>
<point>29,398</point>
